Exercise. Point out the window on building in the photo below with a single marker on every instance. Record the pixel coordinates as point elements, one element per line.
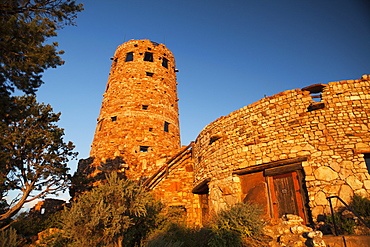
<point>214,138</point>
<point>367,161</point>
<point>144,107</point>
<point>149,74</point>
<point>148,56</point>
<point>165,62</point>
<point>166,126</point>
<point>114,118</point>
<point>144,149</point>
<point>129,57</point>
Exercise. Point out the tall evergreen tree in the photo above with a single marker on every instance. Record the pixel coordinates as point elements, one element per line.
<point>25,26</point>
<point>33,154</point>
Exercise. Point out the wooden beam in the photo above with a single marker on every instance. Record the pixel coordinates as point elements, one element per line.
<point>264,166</point>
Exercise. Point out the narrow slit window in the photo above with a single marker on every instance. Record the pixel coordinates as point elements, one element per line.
<point>148,56</point>
<point>165,62</point>
<point>129,57</point>
<point>367,161</point>
<point>144,149</point>
<point>166,126</point>
<point>144,107</point>
<point>149,74</point>
<point>114,118</point>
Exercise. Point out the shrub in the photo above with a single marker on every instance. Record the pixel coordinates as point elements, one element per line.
<point>172,231</point>
<point>29,225</point>
<point>9,238</point>
<point>236,225</point>
<point>346,222</point>
<point>116,213</point>
<point>344,225</point>
<point>361,205</point>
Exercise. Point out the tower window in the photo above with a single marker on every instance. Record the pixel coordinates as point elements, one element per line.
<point>165,62</point>
<point>144,107</point>
<point>144,149</point>
<point>149,74</point>
<point>114,118</point>
<point>129,57</point>
<point>367,161</point>
<point>166,126</point>
<point>148,56</point>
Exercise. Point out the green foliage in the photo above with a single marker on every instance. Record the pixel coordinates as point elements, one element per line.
<point>241,225</point>
<point>345,221</point>
<point>33,154</point>
<point>361,205</point>
<point>116,212</point>
<point>344,225</point>
<point>9,238</point>
<point>177,234</point>
<point>232,226</point>
<point>25,26</point>
<point>30,225</point>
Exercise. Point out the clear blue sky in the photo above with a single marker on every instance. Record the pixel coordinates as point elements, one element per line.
<point>229,53</point>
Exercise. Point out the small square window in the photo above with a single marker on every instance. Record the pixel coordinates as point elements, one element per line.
<point>114,118</point>
<point>129,57</point>
<point>149,74</point>
<point>144,149</point>
<point>144,107</point>
<point>165,62</point>
<point>367,161</point>
<point>166,126</point>
<point>148,56</point>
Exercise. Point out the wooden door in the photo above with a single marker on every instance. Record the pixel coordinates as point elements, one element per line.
<point>204,206</point>
<point>286,195</point>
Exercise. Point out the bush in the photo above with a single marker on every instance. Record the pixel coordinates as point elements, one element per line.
<point>172,231</point>
<point>29,225</point>
<point>9,238</point>
<point>117,213</point>
<point>344,225</point>
<point>361,205</point>
<point>241,225</point>
<point>345,220</point>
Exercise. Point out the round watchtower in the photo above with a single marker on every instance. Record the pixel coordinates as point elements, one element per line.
<point>138,120</point>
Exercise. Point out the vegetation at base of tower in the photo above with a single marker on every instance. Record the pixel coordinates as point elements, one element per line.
<point>239,225</point>
<point>33,154</point>
<point>25,26</point>
<point>82,181</point>
<point>118,212</point>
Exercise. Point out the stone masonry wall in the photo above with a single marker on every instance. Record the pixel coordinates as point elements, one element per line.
<point>333,134</point>
<point>174,188</point>
<point>138,119</point>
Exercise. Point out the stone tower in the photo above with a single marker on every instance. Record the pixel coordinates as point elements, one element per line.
<point>138,120</point>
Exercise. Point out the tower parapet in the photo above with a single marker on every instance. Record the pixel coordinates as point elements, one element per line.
<point>138,120</point>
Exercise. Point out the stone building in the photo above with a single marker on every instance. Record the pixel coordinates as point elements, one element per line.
<point>138,119</point>
<point>287,152</point>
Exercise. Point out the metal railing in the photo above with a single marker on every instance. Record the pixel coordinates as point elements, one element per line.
<point>349,208</point>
